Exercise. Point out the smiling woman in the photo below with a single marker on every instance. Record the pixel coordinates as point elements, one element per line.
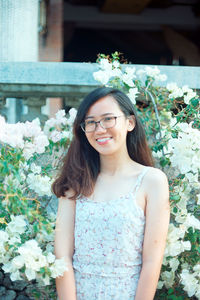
<point>113,212</point>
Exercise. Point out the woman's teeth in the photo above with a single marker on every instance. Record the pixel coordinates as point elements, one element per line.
<point>103,140</point>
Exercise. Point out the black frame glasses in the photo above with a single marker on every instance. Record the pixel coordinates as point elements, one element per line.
<point>101,123</point>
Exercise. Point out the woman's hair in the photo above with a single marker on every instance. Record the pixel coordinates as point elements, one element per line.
<point>81,165</point>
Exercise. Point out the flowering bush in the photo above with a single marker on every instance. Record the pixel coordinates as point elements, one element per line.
<point>172,119</point>
<point>30,156</point>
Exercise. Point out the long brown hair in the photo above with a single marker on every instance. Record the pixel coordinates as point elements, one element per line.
<point>81,165</point>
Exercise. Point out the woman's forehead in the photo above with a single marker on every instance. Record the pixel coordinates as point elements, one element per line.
<point>103,106</point>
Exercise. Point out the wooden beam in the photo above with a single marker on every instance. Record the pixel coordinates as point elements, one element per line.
<point>124,6</point>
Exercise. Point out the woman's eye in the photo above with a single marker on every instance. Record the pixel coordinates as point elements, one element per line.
<point>107,119</point>
<point>89,122</point>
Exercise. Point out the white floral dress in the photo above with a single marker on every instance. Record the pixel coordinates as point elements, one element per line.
<point>108,247</point>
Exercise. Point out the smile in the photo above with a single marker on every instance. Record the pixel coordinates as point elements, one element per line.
<point>103,141</point>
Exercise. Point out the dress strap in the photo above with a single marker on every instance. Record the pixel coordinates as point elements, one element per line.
<point>139,179</point>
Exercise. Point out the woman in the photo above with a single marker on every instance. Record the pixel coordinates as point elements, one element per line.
<point>113,212</point>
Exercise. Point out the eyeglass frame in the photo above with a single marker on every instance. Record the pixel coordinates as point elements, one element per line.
<point>99,122</point>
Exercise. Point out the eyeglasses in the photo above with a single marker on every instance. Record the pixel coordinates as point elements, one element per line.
<point>106,122</point>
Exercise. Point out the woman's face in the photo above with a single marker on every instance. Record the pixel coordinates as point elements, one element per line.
<point>108,141</point>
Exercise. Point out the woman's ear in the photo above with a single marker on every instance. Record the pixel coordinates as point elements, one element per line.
<point>131,124</point>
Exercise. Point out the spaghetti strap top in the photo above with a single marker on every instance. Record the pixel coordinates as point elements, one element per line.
<point>108,246</point>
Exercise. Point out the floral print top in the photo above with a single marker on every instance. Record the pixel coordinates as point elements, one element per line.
<point>108,246</point>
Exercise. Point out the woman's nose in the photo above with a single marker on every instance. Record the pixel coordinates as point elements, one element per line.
<point>99,128</point>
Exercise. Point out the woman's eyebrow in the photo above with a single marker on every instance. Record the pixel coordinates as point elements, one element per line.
<point>92,117</point>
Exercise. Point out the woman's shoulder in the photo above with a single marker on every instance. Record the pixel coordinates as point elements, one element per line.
<point>155,179</point>
<point>68,197</point>
<point>155,175</point>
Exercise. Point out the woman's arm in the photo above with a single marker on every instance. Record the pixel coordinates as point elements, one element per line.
<point>157,222</point>
<point>64,247</point>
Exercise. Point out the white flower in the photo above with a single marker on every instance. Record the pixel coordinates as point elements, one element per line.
<point>115,73</point>
<point>30,274</point>
<point>50,258</point>
<point>128,80</point>
<point>61,117</point>
<point>35,169</point>
<point>101,76</point>
<point>189,96</point>
<point>132,94</point>
<point>72,116</point>
<point>14,239</point>
<point>192,178</point>
<point>168,278</point>
<point>185,149</point>
<point>41,184</point>
<point>176,93</point>
<point>58,268</point>
<point>186,245</point>
<point>174,263</point>
<point>189,282</point>
<point>49,124</point>
<point>17,225</point>
<point>8,268</point>
<point>40,142</point>
<point>18,262</point>
<point>175,245</point>
<point>55,136</point>
<point>28,150</point>
<point>45,280</point>
<point>153,72</point>
<point>191,221</point>
<point>171,86</point>
<point>67,134</point>
<point>160,284</point>
<point>60,114</point>
<point>32,129</point>
<point>3,236</point>
<point>15,276</point>
<point>31,246</point>
<point>130,71</point>
<point>157,154</point>
<point>186,89</point>
<point>116,64</point>
<point>105,64</point>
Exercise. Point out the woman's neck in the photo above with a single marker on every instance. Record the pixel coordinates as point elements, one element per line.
<point>113,165</point>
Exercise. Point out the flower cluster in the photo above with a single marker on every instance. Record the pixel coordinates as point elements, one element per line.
<point>27,136</point>
<point>39,183</point>
<point>60,127</point>
<point>16,255</point>
<point>110,70</point>
<point>191,280</point>
<point>152,72</point>
<point>185,148</point>
<point>112,74</point>
<point>26,230</point>
<point>177,92</point>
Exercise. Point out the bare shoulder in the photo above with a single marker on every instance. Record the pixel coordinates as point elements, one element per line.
<point>156,185</point>
<point>66,205</point>
<point>67,197</point>
<point>156,176</point>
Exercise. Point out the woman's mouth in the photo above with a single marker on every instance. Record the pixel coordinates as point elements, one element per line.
<point>103,141</point>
